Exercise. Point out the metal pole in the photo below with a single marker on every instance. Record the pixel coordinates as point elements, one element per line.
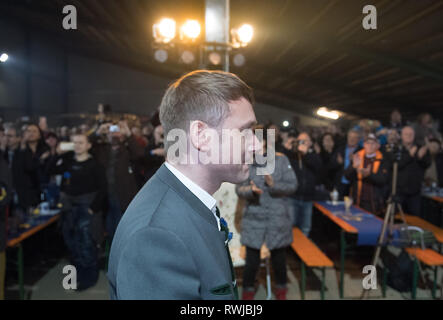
<point>217,27</point>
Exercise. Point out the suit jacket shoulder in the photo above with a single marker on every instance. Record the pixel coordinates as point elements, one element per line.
<point>167,246</point>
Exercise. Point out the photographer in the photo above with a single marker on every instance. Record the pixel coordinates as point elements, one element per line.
<point>118,151</point>
<point>306,164</point>
<point>368,175</point>
<point>413,161</point>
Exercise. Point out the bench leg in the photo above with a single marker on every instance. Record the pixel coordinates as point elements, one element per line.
<point>414,280</point>
<point>303,280</point>
<point>342,262</point>
<point>385,278</point>
<point>20,267</point>
<point>434,286</point>
<point>322,292</point>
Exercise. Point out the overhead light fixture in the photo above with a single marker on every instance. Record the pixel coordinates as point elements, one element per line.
<point>190,29</point>
<point>164,31</point>
<point>4,57</point>
<point>161,55</point>
<point>285,123</point>
<point>245,33</point>
<point>187,57</point>
<point>215,58</point>
<point>239,60</point>
<point>242,35</point>
<point>325,113</point>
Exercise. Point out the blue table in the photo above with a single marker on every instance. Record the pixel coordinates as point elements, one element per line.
<point>357,221</point>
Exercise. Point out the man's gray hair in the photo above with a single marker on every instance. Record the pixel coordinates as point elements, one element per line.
<point>201,95</point>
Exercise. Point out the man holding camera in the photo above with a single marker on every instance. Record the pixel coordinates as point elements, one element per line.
<point>118,151</point>
<point>306,164</point>
<point>413,160</point>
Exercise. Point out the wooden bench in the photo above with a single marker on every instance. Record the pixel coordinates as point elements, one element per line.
<point>419,222</point>
<point>310,256</point>
<point>428,257</point>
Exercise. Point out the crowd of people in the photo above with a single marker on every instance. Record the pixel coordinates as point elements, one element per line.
<point>99,167</point>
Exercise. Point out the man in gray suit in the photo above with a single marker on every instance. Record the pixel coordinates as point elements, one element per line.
<point>171,242</point>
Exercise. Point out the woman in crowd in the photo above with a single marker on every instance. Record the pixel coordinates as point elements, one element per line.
<point>28,182</point>
<point>83,197</point>
<point>267,221</point>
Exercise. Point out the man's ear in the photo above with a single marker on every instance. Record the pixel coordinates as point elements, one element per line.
<point>199,136</point>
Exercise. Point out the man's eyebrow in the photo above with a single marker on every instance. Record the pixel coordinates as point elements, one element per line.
<point>249,124</point>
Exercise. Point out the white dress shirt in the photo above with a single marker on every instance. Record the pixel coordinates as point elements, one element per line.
<point>201,194</point>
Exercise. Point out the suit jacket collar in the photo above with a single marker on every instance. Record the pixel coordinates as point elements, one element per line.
<point>172,181</point>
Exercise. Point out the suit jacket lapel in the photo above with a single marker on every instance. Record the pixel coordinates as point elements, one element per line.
<point>170,179</point>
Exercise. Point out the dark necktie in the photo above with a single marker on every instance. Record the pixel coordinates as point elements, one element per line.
<point>225,229</point>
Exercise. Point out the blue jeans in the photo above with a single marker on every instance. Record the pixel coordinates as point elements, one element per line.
<point>302,214</point>
<point>76,228</point>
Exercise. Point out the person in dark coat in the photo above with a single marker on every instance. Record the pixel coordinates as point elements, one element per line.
<point>83,197</point>
<point>434,173</point>
<point>267,221</point>
<point>328,155</point>
<point>413,162</point>
<point>307,166</point>
<point>118,155</point>
<point>30,172</point>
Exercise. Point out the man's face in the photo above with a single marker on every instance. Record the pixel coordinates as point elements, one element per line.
<point>352,138</point>
<point>396,117</point>
<point>81,144</point>
<point>370,146</point>
<point>407,135</point>
<point>11,136</point>
<point>242,117</point>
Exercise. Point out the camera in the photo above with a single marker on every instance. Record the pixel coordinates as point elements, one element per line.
<point>395,150</point>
